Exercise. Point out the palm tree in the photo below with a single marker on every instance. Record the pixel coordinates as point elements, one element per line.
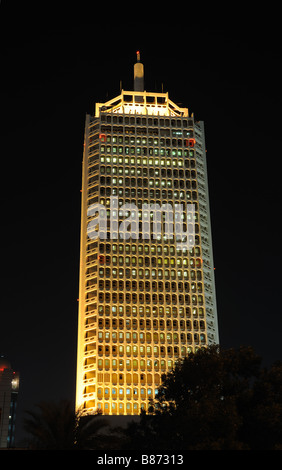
<point>59,426</point>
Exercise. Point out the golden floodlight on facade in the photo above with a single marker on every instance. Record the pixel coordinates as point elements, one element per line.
<point>144,301</point>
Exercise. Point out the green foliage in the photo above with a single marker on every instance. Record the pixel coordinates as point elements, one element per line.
<point>214,399</point>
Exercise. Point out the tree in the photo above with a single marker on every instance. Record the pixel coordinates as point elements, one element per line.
<point>262,428</point>
<point>59,426</point>
<point>214,399</point>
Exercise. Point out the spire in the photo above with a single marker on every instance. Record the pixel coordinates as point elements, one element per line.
<point>138,74</point>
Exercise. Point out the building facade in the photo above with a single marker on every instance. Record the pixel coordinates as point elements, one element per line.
<point>9,387</point>
<point>145,298</point>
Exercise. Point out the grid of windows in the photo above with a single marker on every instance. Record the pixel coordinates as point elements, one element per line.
<point>145,301</point>
<point>149,303</point>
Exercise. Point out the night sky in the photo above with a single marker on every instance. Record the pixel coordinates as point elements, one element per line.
<point>54,67</point>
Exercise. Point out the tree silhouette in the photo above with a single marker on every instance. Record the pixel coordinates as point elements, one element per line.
<point>214,399</point>
<point>59,426</point>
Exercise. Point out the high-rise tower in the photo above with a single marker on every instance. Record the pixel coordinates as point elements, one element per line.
<point>9,388</point>
<point>145,299</point>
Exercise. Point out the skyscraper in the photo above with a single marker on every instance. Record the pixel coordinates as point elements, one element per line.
<point>9,387</point>
<point>147,291</point>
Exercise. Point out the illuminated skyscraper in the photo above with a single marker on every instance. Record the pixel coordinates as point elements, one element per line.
<point>9,387</point>
<point>146,300</point>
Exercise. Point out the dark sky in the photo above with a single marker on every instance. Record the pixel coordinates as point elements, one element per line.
<point>54,67</point>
